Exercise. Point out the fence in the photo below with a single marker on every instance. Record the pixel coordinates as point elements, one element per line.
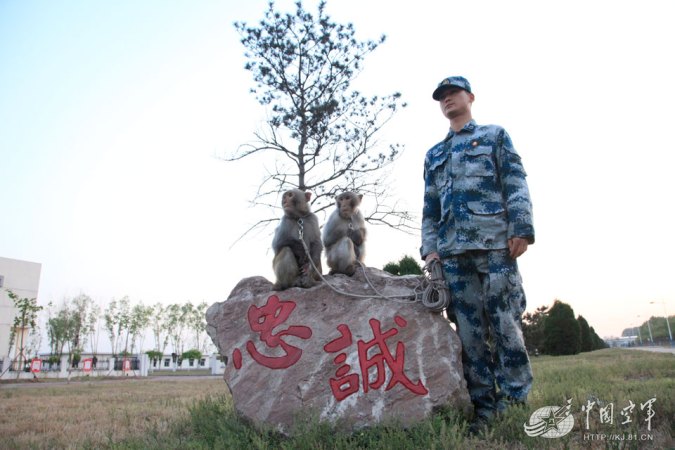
<point>48,367</point>
<point>134,364</point>
<point>107,365</point>
<point>167,363</point>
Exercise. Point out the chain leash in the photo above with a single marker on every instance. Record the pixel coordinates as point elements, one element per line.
<point>431,291</point>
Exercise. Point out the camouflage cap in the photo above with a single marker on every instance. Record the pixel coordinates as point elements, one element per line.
<point>459,82</point>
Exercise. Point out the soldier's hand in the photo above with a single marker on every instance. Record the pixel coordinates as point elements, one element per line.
<point>431,256</point>
<point>517,246</point>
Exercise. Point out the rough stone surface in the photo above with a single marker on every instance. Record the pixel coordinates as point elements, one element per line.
<point>414,367</point>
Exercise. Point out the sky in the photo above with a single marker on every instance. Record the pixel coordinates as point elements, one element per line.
<point>114,117</point>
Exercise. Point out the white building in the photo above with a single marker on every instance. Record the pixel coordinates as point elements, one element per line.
<point>22,278</point>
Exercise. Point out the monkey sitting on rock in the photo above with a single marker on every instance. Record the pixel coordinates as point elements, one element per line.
<point>344,235</point>
<point>291,264</point>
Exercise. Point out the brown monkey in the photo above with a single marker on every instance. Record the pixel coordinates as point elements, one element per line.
<point>291,264</point>
<point>344,235</point>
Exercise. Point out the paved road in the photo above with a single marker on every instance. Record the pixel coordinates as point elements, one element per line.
<point>654,349</point>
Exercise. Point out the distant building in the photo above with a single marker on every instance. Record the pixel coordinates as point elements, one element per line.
<point>623,341</point>
<point>22,278</point>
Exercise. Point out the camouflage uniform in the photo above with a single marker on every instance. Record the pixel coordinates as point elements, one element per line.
<point>476,199</point>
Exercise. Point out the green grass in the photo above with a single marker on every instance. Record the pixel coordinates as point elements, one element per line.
<point>604,376</point>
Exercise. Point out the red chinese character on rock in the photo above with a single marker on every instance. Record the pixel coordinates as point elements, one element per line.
<point>263,320</point>
<point>378,361</point>
<point>344,385</point>
<point>236,358</point>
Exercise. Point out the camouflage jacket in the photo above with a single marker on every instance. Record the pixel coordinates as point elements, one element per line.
<point>475,193</point>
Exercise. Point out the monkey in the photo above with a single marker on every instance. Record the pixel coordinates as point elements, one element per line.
<point>291,264</point>
<point>344,235</point>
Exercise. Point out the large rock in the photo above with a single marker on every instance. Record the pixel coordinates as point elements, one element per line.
<point>352,361</point>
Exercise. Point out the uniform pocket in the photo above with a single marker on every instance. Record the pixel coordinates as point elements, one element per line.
<point>478,162</point>
<point>485,208</point>
<point>517,294</point>
<point>436,157</point>
<point>486,223</point>
<point>446,198</point>
<point>435,172</point>
<point>442,181</point>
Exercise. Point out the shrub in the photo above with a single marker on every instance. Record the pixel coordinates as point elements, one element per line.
<point>191,354</point>
<point>392,268</point>
<point>406,266</point>
<point>409,266</point>
<point>153,354</point>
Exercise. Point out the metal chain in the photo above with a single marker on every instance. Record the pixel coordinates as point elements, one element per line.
<point>415,292</point>
<point>431,291</point>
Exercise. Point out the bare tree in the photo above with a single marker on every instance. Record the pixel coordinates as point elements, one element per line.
<point>197,323</point>
<point>117,317</point>
<point>158,322</point>
<point>92,327</point>
<point>80,311</point>
<point>177,321</point>
<point>139,321</point>
<point>323,133</point>
<point>58,328</point>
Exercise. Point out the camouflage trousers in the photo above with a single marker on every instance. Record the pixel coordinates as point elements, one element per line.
<point>487,303</point>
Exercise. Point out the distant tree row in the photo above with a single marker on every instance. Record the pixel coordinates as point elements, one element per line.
<point>654,329</point>
<point>549,330</point>
<point>554,331</point>
<point>74,326</point>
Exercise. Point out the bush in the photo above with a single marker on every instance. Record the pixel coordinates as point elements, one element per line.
<point>409,266</point>
<point>191,354</point>
<point>154,355</point>
<point>392,268</point>
<point>406,266</point>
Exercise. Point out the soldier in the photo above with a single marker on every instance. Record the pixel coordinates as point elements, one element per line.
<point>477,220</point>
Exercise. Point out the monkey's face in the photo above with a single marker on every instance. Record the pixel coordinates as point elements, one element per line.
<point>287,201</point>
<point>294,203</point>
<point>347,204</point>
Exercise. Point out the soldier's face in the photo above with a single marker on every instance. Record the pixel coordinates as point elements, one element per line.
<point>455,102</point>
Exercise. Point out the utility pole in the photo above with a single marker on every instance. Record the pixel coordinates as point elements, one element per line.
<point>670,333</point>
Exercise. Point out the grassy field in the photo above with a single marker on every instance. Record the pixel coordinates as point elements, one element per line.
<point>197,413</point>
